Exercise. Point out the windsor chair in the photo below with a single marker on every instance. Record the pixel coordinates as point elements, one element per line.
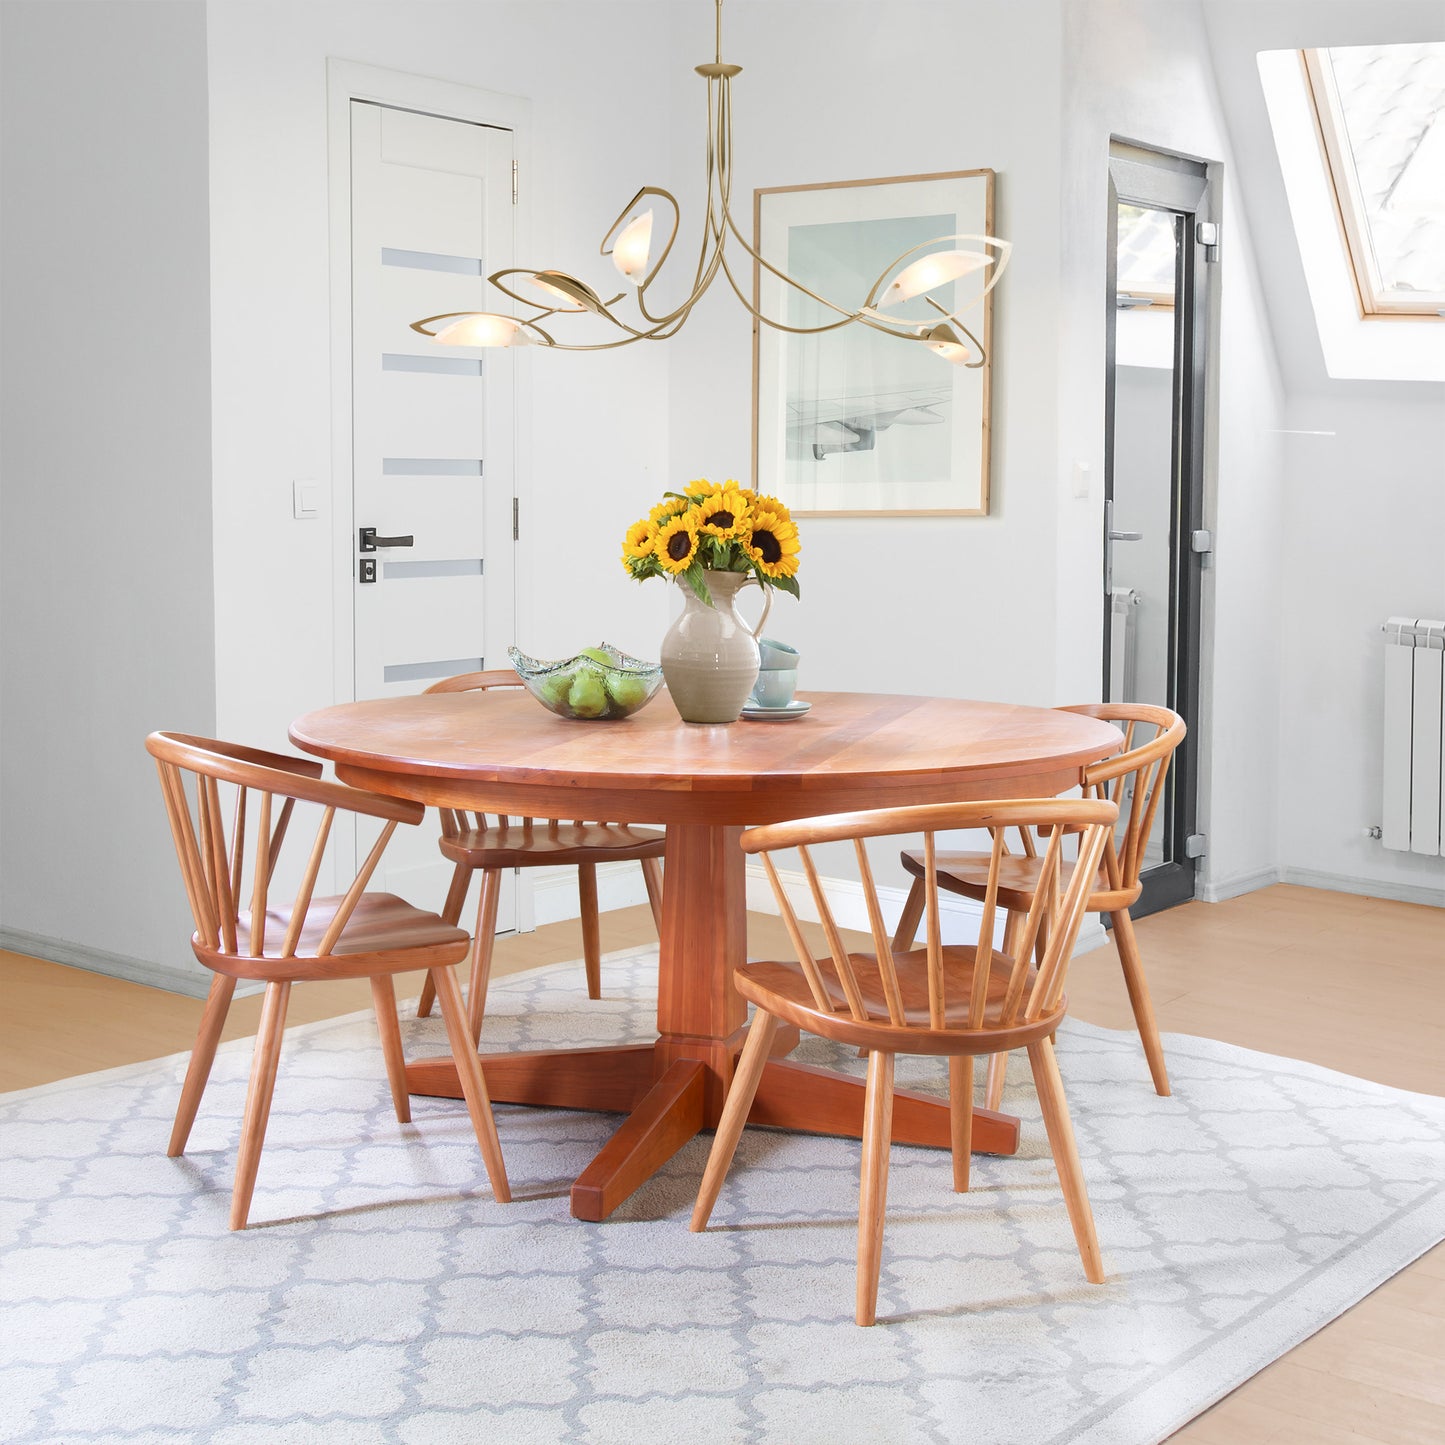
<point>1134,779</point>
<point>473,845</point>
<point>355,935</point>
<point>957,1001</point>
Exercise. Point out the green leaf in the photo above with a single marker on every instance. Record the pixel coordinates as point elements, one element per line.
<point>696,581</point>
<point>788,585</point>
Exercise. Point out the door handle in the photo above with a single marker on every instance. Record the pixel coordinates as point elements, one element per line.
<point>1126,536</point>
<point>369,541</point>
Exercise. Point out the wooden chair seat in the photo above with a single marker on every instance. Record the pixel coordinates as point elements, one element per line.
<point>966,874</point>
<point>534,843</point>
<point>382,934</point>
<point>1133,779</point>
<point>354,935</point>
<point>473,844</point>
<point>957,1001</point>
<point>782,989</point>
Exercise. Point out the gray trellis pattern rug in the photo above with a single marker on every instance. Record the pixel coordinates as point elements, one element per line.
<point>382,1295</point>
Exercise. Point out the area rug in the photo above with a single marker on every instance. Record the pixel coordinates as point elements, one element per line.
<point>383,1296</point>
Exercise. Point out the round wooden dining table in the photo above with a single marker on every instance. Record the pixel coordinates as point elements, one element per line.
<point>501,752</point>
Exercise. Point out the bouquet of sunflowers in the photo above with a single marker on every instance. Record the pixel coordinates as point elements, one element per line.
<point>719,528</point>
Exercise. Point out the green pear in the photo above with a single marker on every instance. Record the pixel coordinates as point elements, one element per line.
<point>554,689</point>
<point>587,697</point>
<point>597,655</point>
<point>626,691</point>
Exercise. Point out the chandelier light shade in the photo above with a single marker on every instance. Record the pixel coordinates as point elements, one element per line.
<point>631,244</point>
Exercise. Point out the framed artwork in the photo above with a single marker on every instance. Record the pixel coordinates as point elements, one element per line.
<point>852,422</point>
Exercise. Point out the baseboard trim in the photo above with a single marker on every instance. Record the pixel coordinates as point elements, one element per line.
<point>1219,890</point>
<point>193,983</point>
<point>1365,887</point>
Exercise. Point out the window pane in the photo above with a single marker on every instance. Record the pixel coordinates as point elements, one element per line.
<point>1391,101</point>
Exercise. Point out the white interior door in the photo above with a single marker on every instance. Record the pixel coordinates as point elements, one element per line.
<point>432,427</point>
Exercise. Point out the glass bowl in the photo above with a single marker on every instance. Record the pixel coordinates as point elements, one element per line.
<point>586,688</point>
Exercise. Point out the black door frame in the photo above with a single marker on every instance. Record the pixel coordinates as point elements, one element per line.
<point>1181,185</point>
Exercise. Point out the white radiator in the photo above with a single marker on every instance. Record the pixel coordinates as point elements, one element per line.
<point>1414,749</point>
<point>1123,645</point>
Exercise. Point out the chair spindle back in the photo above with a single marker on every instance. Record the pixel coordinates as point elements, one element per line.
<point>1057,911</point>
<point>213,865</point>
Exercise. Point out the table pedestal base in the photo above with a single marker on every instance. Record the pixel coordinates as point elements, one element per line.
<point>667,1098</point>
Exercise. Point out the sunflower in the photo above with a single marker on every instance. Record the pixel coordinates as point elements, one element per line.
<point>676,542</point>
<point>668,508</point>
<point>723,513</point>
<point>773,546</point>
<point>639,539</point>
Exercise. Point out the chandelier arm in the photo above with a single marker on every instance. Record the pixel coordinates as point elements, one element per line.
<point>798,286</point>
<point>606,247</point>
<point>1004,248</point>
<point>706,267</point>
<point>953,320</point>
<point>909,334</point>
<point>421,326</point>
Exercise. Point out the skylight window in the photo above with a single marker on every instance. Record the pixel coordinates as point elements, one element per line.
<point>1381,117</point>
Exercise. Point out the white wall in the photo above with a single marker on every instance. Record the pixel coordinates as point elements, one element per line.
<point>958,607</point>
<point>1141,71</point>
<point>595,431</point>
<point>105,504</point>
<point>1363,534</point>
<point>1365,518</point>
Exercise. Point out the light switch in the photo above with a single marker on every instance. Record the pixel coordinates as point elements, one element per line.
<point>306,501</point>
<point>1083,478</point>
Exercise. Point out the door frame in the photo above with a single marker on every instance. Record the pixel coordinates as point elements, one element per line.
<point>348,81</point>
<point>1184,185</point>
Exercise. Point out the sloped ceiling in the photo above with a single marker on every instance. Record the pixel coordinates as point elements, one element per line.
<point>1237,33</point>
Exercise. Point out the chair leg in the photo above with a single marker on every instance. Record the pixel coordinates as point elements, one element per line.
<point>483,942</point>
<point>734,1115</point>
<point>993,1085</point>
<point>1139,999</point>
<point>910,918</point>
<point>203,1054</point>
<point>474,1085</point>
<point>591,931</point>
<point>383,1002</point>
<point>873,1182</point>
<point>652,877</point>
<point>1066,1155</point>
<point>451,912</point>
<point>258,1098</point>
<point>960,1117</point>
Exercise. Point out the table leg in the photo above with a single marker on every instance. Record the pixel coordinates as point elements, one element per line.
<point>669,1115</point>
<point>673,1089</point>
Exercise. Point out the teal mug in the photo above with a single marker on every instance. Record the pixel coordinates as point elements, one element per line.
<point>775,687</point>
<point>777,656</point>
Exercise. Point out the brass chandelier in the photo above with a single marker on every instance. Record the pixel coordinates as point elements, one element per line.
<point>629,242</point>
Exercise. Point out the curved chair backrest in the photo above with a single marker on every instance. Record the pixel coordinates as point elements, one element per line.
<point>477,681</point>
<point>1057,910</point>
<point>214,866</point>
<point>1133,778</point>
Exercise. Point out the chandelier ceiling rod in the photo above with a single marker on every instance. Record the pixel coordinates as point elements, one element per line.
<point>629,243</point>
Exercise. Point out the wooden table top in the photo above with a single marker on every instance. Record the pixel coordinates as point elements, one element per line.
<point>503,751</point>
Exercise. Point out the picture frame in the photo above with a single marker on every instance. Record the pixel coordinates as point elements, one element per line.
<point>852,422</point>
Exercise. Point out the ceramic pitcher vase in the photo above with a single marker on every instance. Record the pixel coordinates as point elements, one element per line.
<point>710,654</point>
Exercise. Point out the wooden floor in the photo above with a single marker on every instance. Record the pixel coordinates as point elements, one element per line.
<point>1356,984</point>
